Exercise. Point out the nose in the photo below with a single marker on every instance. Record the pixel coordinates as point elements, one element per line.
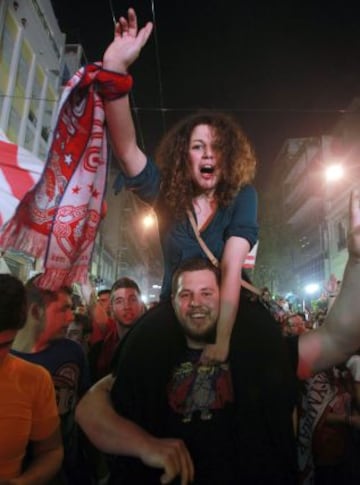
<point>208,153</point>
<point>194,300</point>
<point>127,304</point>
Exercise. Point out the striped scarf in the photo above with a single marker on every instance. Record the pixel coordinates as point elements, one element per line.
<point>58,219</point>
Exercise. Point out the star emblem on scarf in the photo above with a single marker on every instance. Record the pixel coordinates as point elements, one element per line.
<point>68,159</point>
<point>76,189</point>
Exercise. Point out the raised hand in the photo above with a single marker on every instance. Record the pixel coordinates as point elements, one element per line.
<point>127,44</point>
<point>354,226</point>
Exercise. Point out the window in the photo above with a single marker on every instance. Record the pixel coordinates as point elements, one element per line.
<point>24,67</point>
<point>14,124</point>
<point>29,138</point>
<point>32,117</point>
<point>7,41</point>
<point>341,236</point>
<point>49,107</point>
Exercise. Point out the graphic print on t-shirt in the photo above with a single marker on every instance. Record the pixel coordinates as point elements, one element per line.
<point>199,387</point>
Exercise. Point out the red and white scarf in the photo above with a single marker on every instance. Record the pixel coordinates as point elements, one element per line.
<point>316,396</point>
<point>58,219</point>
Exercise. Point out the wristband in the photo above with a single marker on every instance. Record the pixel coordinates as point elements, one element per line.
<point>113,85</point>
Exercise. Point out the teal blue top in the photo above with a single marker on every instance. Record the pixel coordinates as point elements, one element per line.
<point>177,238</point>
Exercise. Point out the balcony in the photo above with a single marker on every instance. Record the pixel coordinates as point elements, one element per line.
<point>305,207</point>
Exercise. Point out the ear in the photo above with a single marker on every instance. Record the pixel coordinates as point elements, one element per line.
<point>34,311</point>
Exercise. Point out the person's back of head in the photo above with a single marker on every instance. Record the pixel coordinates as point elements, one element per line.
<point>38,295</point>
<point>13,303</point>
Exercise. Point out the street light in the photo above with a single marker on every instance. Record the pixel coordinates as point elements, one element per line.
<point>312,288</point>
<point>334,172</point>
<point>149,221</point>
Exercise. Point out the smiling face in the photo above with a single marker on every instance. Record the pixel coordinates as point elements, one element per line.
<point>204,158</point>
<point>196,304</point>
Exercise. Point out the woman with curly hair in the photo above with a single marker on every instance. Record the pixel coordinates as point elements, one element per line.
<point>205,165</point>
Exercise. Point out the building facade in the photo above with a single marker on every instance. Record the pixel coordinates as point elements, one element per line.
<point>314,208</point>
<point>31,63</point>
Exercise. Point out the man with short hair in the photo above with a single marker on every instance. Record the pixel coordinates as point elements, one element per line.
<point>66,362</point>
<point>126,307</point>
<point>173,416</point>
<point>125,304</point>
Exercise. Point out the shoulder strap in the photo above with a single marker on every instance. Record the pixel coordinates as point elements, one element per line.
<point>212,257</point>
<point>202,243</point>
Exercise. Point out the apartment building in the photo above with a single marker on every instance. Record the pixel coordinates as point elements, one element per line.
<point>31,64</point>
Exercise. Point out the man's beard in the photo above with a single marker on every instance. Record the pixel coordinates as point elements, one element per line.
<point>206,337</point>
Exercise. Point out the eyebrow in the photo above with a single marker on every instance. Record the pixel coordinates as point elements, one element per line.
<point>206,288</point>
<point>129,297</point>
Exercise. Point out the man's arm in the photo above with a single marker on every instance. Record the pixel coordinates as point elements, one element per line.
<point>114,434</point>
<point>48,456</point>
<point>339,336</point>
<point>120,54</point>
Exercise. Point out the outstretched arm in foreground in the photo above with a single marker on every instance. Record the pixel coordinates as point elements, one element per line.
<point>339,336</point>
<point>120,54</point>
<point>114,434</point>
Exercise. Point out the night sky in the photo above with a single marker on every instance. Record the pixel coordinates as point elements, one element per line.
<point>283,69</point>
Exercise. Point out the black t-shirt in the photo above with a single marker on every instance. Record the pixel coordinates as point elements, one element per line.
<point>243,427</point>
<point>201,413</point>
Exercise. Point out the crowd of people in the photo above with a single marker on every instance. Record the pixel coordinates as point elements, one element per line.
<point>196,391</point>
<point>211,386</point>
<point>75,345</point>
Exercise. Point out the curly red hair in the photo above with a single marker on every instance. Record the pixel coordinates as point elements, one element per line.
<point>237,157</point>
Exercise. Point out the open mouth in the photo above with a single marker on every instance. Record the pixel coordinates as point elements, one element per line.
<point>207,169</point>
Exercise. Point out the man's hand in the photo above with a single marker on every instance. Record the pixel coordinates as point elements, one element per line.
<point>127,44</point>
<point>354,226</point>
<point>171,455</point>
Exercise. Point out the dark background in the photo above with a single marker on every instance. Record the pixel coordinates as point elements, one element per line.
<point>283,69</point>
